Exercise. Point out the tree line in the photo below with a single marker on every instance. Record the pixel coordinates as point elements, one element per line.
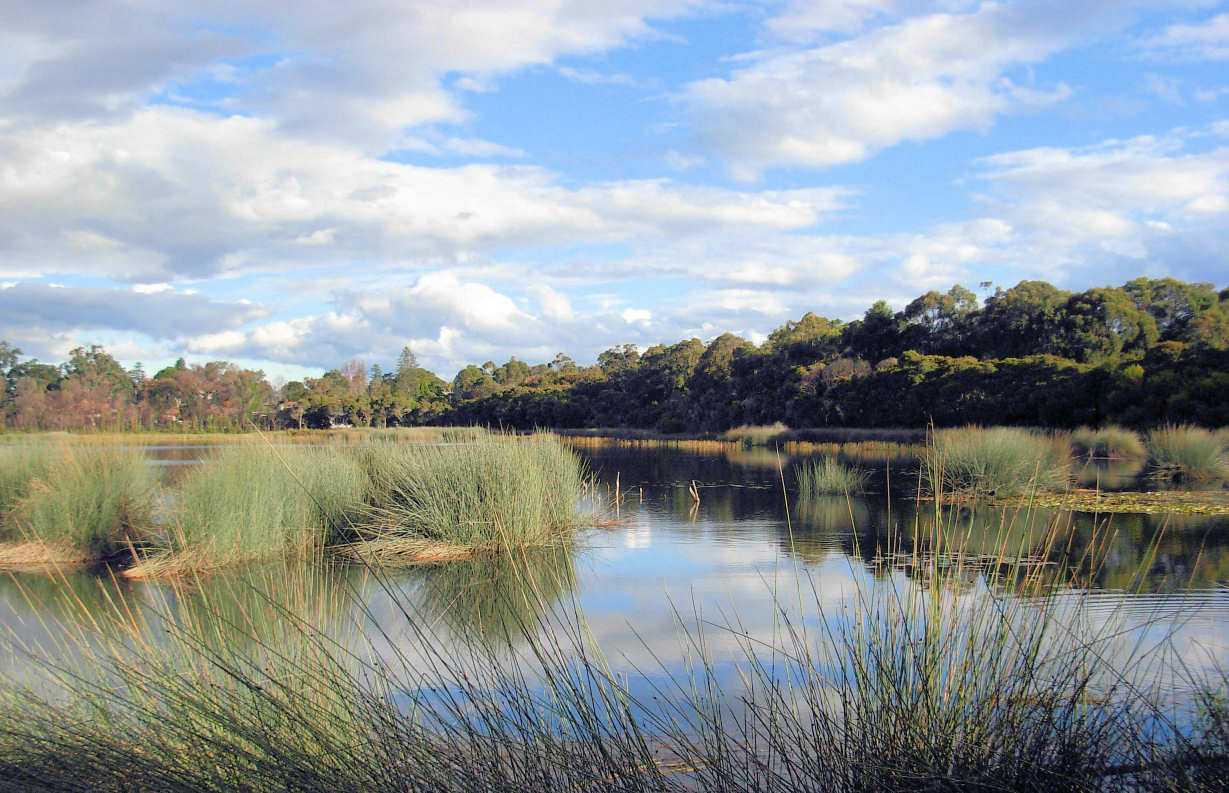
<point>1147,352</point>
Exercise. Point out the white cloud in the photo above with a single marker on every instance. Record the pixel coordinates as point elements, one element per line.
<point>151,289</point>
<point>1206,40</point>
<point>174,193</point>
<point>43,318</point>
<point>361,72</point>
<point>553,305</point>
<point>594,77</point>
<point>1167,89</point>
<point>631,315</point>
<point>915,80</point>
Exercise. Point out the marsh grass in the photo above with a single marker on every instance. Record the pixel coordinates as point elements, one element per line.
<point>955,677</point>
<point>441,502</point>
<point>1108,442</point>
<point>251,502</point>
<point>1188,453</point>
<point>829,476</point>
<point>975,671</point>
<point>995,461</point>
<point>66,503</point>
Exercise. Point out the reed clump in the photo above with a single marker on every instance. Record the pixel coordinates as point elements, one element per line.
<point>1108,442</point>
<point>829,476</point>
<point>1188,453</point>
<point>68,503</point>
<point>438,503</point>
<point>250,502</point>
<point>995,461</point>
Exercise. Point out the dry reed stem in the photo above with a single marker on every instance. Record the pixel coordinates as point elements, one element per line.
<point>37,555</point>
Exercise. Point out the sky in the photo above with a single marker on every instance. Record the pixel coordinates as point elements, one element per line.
<point>291,186</point>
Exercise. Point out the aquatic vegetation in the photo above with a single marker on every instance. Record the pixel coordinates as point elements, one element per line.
<point>995,461</point>
<point>251,502</point>
<point>68,503</point>
<point>1187,452</point>
<point>441,502</point>
<point>1110,441</point>
<point>829,476</point>
<point>954,677</point>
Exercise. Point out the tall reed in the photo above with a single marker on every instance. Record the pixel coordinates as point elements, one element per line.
<point>250,502</point>
<point>829,476</point>
<point>950,678</point>
<point>497,493</point>
<point>1189,453</point>
<point>68,502</point>
<point>1002,461</point>
<point>1110,441</point>
<point>756,435</point>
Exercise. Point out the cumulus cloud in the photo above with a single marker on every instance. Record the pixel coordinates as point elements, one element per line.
<point>172,193</point>
<point>46,319</point>
<point>911,80</point>
<point>361,72</point>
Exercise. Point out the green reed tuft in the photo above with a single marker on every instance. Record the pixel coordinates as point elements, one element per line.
<point>756,435</point>
<point>81,501</point>
<point>1002,461</point>
<point>1188,453</point>
<point>829,476</point>
<point>492,494</point>
<point>250,502</point>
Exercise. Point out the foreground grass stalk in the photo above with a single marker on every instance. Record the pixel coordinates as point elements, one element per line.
<point>947,665</point>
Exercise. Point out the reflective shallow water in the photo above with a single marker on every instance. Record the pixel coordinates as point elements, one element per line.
<point>735,566</point>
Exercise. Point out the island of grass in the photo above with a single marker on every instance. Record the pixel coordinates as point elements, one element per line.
<point>64,504</point>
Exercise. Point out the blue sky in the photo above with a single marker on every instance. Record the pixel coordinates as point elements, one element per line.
<point>292,186</point>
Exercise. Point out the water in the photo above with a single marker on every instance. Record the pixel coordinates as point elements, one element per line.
<point>668,567</point>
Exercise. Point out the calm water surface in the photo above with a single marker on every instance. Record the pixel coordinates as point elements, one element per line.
<point>668,561</point>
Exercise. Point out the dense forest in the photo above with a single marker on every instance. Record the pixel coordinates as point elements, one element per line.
<point>1148,352</point>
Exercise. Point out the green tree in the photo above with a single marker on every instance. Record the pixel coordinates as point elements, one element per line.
<point>1018,321</point>
<point>472,383</point>
<point>1101,324</point>
<point>407,360</point>
<point>876,336</point>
